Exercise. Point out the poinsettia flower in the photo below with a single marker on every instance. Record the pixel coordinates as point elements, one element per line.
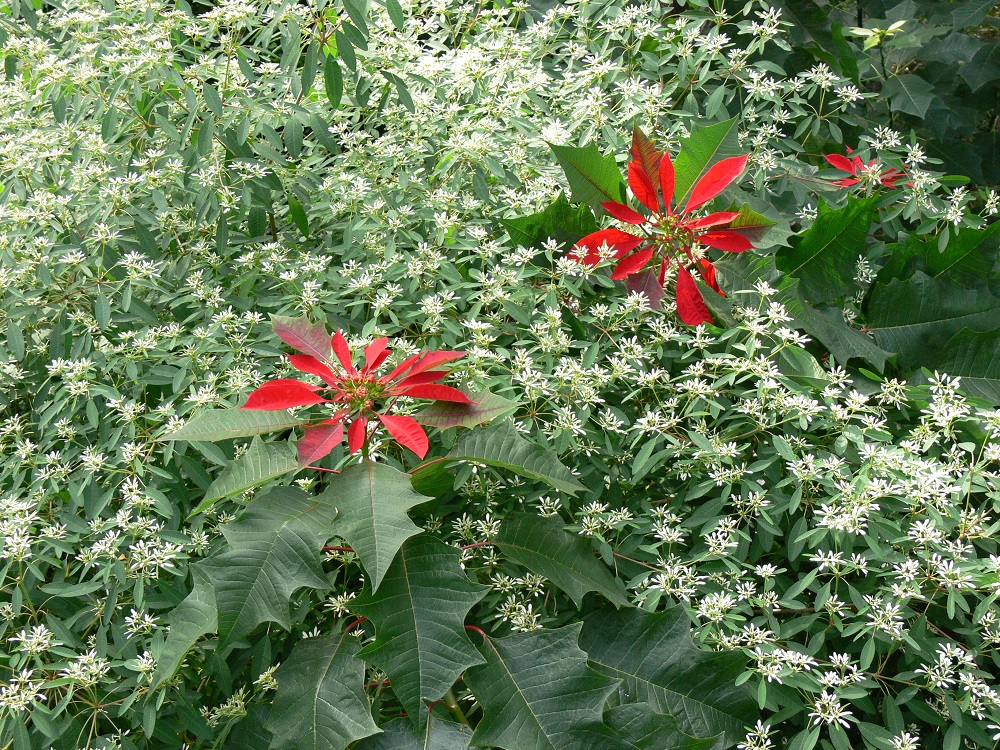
<point>669,231</point>
<point>364,397</point>
<point>858,170</point>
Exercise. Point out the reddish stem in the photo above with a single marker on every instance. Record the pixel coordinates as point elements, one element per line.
<point>477,544</point>
<point>320,468</point>
<point>330,548</point>
<point>481,632</point>
<point>354,624</point>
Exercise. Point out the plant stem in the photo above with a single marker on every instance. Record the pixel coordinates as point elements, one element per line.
<point>452,703</point>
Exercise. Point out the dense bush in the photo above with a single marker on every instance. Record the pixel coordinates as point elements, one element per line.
<point>173,175</point>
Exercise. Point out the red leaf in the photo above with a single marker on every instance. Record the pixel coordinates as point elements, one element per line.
<point>376,353</point>
<point>667,180</point>
<point>690,304</point>
<point>632,264</point>
<point>300,334</point>
<point>400,368</point>
<point>356,434</point>
<point>619,241</point>
<point>421,378</point>
<point>708,275</point>
<point>716,179</point>
<point>647,283</point>
<point>624,213</point>
<point>841,162</point>
<point>319,440</point>
<point>343,352</point>
<point>642,187</point>
<point>731,242</point>
<point>313,366</point>
<point>712,220</point>
<point>433,359</point>
<point>644,152</point>
<point>283,393</point>
<point>438,393</point>
<point>407,433</point>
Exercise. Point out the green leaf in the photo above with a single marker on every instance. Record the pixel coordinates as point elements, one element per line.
<point>396,14</point>
<point>983,68</point>
<point>333,77</point>
<point>372,500</point>
<point>419,614</point>
<point>916,317</point>
<point>593,178</point>
<point>251,730</point>
<point>262,462</point>
<point>15,339</point>
<point>536,691</point>
<point>971,255</point>
<point>561,221</point>
<point>544,546</point>
<point>321,703</point>
<point>975,357</point>
<point>398,734</point>
<point>271,552</point>
<point>909,93</point>
<point>485,408</point>
<point>641,727</point>
<point>102,311</point>
<point>971,13</point>
<point>699,151</point>
<point>298,214</point>
<point>823,258</point>
<point>304,335</point>
<point>222,424</point>
<point>654,655</point>
<point>193,618</point>
<point>501,445</point>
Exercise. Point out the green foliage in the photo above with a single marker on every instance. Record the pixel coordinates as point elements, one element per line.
<point>419,612</point>
<point>261,462</point>
<point>699,151</point>
<point>321,702</point>
<point>593,177</point>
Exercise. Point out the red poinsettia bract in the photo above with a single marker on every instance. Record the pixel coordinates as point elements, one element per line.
<point>669,232</point>
<point>855,167</point>
<point>358,391</point>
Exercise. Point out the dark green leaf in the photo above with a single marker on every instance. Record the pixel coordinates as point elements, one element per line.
<point>261,463</point>
<point>190,620</point>
<point>916,317</point>
<point>222,424</point>
<point>321,703</point>
<point>396,14</point>
<point>544,546</point>
<point>593,178</point>
<point>971,13</point>
<point>419,614</point>
<point>272,551</point>
<point>398,734</point>
<point>561,221</point>
<point>824,257</point>
<point>536,690</point>
<point>486,407</point>
<point>334,80</point>
<point>641,727</point>
<point>373,499</point>
<point>975,357</point>
<point>298,214</point>
<point>983,68</point>
<point>909,93</point>
<point>655,656</point>
<point>971,255</point>
<point>501,445</point>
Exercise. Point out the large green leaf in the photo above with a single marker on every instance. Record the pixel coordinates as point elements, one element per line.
<point>321,703</point>
<point>222,424</point>
<point>543,546</point>
<point>561,221</point>
<point>641,727</point>
<point>373,500</point>
<point>915,318</point>
<point>654,655</point>
<point>824,257</point>
<point>272,551</point>
<point>537,691</point>
<point>971,256</point>
<point>193,618</point>
<point>975,357</point>
<point>304,335</point>
<point>501,445</point>
<point>262,462</point>
<point>593,178</point>
<point>699,151</point>
<point>399,734</point>
<point>485,408</point>
<point>909,93</point>
<point>983,68</point>
<point>419,614</point>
